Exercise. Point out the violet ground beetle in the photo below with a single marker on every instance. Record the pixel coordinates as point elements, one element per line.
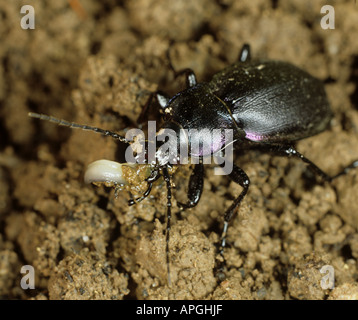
<point>265,103</point>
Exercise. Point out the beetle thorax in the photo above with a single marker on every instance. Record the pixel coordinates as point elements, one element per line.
<point>199,119</point>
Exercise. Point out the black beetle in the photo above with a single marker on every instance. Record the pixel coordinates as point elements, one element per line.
<point>265,103</point>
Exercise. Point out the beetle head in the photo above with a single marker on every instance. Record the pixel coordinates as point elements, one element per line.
<point>172,144</point>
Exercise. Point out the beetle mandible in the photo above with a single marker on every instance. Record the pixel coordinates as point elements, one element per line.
<point>265,103</point>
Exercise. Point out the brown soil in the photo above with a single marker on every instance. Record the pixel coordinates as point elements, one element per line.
<point>96,63</point>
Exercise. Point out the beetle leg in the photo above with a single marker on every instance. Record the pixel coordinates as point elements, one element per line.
<point>353,165</point>
<point>169,216</point>
<point>189,75</point>
<point>162,99</point>
<point>154,176</point>
<point>290,151</point>
<point>145,194</point>
<point>245,54</point>
<point>196,184</point>
<point>239,176</point>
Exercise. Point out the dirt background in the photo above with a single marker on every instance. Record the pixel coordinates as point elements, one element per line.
<point>96,63</point>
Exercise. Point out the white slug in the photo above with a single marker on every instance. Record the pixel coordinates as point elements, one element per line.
<point>105,171</point>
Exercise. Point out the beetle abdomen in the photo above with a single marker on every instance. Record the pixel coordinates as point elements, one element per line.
<point>273,101</point>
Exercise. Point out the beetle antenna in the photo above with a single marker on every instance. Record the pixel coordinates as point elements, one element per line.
<point>74,125</point>
<point>346,170</point>
<point>169,216</point>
